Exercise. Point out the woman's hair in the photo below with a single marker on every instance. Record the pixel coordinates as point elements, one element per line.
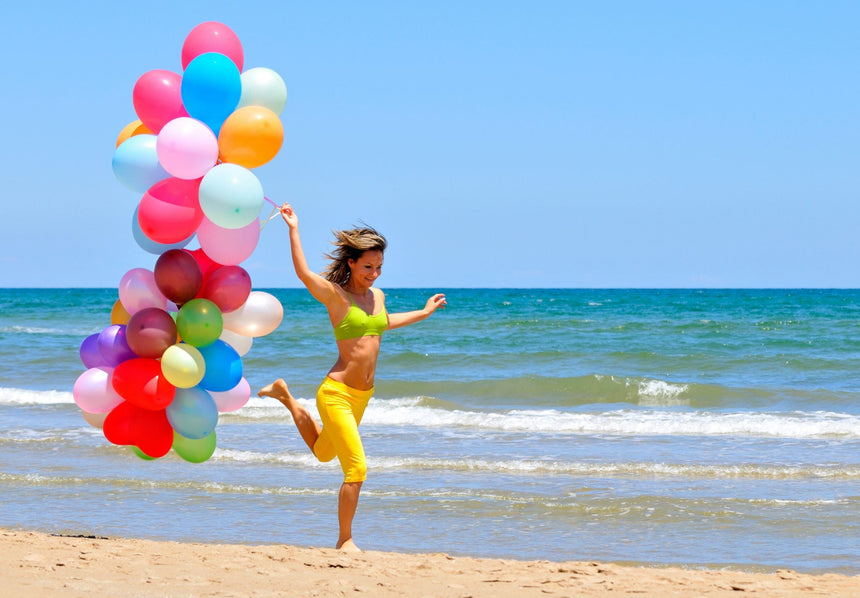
<point>350,245</point>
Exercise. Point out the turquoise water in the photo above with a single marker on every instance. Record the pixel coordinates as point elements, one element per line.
<point>709,428</point>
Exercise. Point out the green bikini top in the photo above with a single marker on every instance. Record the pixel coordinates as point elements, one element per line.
<point>357,323</point>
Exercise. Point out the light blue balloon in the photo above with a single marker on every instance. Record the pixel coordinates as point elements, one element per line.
<point>211,88</point>
<point>223,367</point>
<point>231,196</point>
<point>135,163</point>
<point>148,244</point>
<point>192,413</point>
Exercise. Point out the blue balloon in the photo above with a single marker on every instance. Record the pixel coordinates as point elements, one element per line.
<point>192,413</point>
<point>223,367</point>
<point>148,244</point>
<point>135,163</point>
<point>211,89</point>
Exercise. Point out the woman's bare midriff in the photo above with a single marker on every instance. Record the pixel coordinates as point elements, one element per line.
<point>356,363</point>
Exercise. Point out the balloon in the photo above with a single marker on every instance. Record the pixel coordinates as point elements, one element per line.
<point>148,430</point>
<point>138,290</point>
<point>207,264</point>
<point>136,165</point>
<point>133,128</point>
<point>148,244</point>
<point>223,367</point>
<point>242,344</point>
<point>90,354</point>
<point>263,87</point>
<point>251,136</point>
<point>93,392</point>
<point>113,345</point>
<point>193,413</point>
<point>259,315</point>
<point>157,98</point>
<point>199,322</point>
<point>178,275</point>
<point>227,287</point>
<point>170,210</point>
<point>141,454</point>
<point>183,365</point>
<point>231,196</point>
<point>194,450</point>
<point>150,332</point>
<point>119,314</point>
<point>233,399</point>
<point>228,246</point>
<point>140,382</point>
<point>212,36</point>
<point>211,88</point>
<point>96,420</point>
<point>186,148</point>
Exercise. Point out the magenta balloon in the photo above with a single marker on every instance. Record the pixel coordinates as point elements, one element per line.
<point>212,36</point>
<point>178,275</point>
<point>228,246</point>
<point>227,287</point>
<point>150,331</point>
<point>157,98</point>
<point>113,346</point>
<point>169,211</point>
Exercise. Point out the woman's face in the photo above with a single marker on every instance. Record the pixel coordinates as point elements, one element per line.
<point>367,268</point>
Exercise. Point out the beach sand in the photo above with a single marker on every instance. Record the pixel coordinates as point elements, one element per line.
<point>36,564</point>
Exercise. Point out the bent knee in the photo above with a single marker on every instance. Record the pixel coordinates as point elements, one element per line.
<point>357,472</point>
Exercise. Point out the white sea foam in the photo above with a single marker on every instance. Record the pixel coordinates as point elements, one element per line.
<point>20,396</point>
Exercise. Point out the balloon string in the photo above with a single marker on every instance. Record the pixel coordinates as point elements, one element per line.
<point>271,202</point>
<point>276,211</point>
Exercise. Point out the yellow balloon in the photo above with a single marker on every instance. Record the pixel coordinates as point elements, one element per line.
<point>130,130</point>
<point>183,365</point>
<point>250,137</point>
<point>119,315</point>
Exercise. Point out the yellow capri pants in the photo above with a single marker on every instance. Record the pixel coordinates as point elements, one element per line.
<point>341,408</point>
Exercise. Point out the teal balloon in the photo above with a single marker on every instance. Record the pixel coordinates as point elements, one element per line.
<point>224,368</point>
<point>194,450</point>
<point>135,163</point>
<point>231,196</point>
<point>211,88</point>
<point>193,413</point>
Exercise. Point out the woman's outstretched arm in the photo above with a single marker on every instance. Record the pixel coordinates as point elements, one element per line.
<point>321,289</point>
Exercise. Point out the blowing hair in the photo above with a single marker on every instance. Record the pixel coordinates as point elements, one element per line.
<point>350,245</point>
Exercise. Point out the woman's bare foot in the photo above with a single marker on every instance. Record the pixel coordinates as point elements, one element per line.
<point>348,546</point>
<point>279,391</point>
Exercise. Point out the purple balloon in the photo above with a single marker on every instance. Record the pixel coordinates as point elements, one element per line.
<point>90,354</point>
<point>113,345</point>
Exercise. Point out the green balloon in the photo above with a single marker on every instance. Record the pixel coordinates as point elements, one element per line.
<point>194,451</point>
<point>141,454</point>
<point>199,322</point>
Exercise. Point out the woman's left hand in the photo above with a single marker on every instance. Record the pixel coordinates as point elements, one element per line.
<point>435,302</point>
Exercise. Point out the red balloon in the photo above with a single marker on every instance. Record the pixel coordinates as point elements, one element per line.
<point>169,211</point>
<point>157,98</point>
<point>148,430</point>
<point>140,382</point>
<point>206,263</point>
<point>150,331</point>
<point>227,287</point>
<point>178,275</point>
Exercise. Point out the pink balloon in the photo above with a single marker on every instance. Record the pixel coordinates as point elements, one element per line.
<point>227,287</point>
<point>157,98</point>
<point>186,148</point>
<point>137,290</point>
<point>94,393</point>
<point>169,211</point>
<point>212,36</point>
<point>228,246</point>
<point>233,399</point>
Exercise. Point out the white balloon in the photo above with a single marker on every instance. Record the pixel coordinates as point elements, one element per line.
<point>241,343</point>
<point>259,315</point>
<point>263,87</point>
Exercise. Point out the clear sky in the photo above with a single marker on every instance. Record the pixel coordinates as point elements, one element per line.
<point>495,143</point>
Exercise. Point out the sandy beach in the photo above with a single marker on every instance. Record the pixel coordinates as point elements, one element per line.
<point>35,564</point>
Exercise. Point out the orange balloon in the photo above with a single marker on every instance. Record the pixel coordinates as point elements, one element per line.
<point>130,130</point>
<point>251,136</point>
<point>119,315</point>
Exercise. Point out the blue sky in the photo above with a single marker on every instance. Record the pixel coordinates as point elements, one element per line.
<point>497,143</point>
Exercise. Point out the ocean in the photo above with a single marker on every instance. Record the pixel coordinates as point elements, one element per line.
<point>703,428</point>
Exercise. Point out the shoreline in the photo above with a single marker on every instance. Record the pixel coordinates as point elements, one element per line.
<point>40,564</point>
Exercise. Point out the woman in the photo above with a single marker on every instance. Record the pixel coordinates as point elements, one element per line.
<point>358,315</point>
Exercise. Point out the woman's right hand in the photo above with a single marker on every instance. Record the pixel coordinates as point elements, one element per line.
<point>289,216</point>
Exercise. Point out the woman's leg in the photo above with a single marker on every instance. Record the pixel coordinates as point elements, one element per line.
<point>308,427</point>
<point>347,503</point>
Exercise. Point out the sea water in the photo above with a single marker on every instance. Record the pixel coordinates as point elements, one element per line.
<point>709,428</point>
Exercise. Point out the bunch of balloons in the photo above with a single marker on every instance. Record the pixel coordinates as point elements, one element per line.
<point>170,361</point>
